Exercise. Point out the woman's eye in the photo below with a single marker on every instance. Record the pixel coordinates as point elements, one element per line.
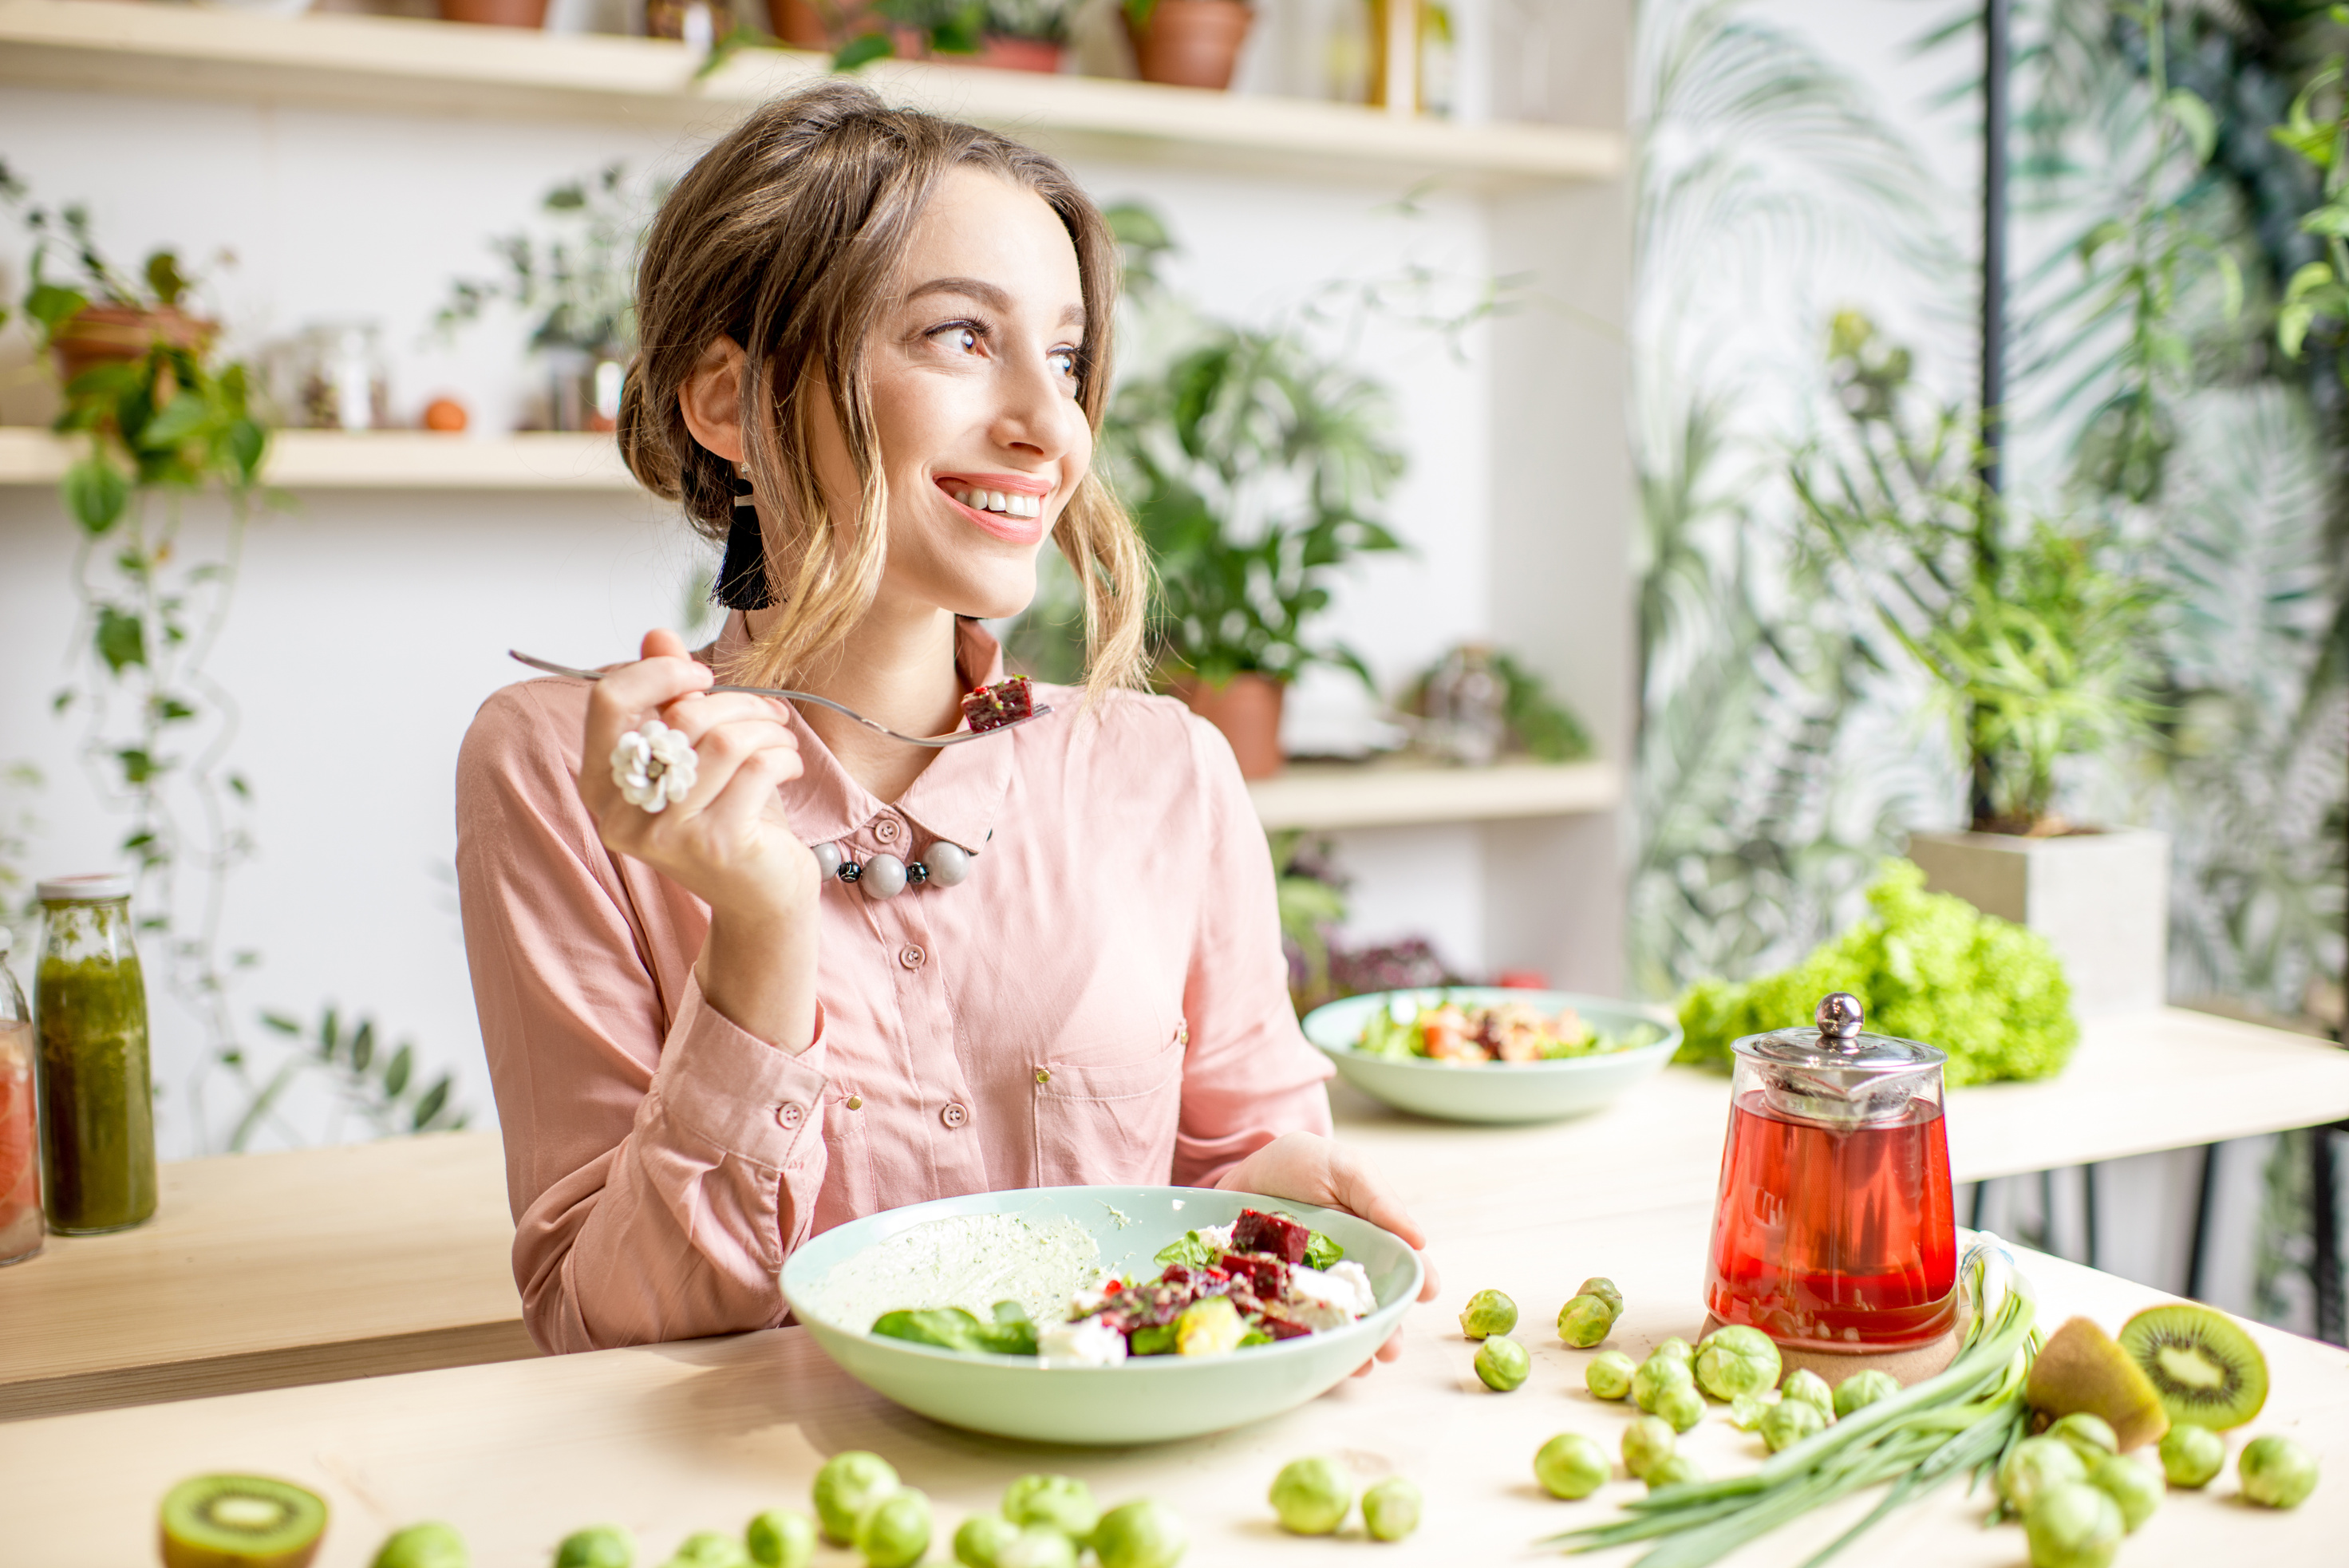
<point>1064,361</point>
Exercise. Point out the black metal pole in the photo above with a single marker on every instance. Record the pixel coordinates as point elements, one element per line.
<point>1995,120</point>
<point>2323,1220</point>
<point>2203,1199</point>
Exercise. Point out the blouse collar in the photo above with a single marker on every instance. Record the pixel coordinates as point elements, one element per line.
<point>955,799</point>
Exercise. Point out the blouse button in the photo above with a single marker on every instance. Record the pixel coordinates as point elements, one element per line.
<point>790,1114</point>
<point>855,1102</point>
<point>911,956</point>
<point>1043,1074</point>
<point>886,830</point>
<point>954,1115</point>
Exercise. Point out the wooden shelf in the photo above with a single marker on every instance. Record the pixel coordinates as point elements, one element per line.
<point>382,63</point>
<point>1400,794</point>
<point>381,460</point>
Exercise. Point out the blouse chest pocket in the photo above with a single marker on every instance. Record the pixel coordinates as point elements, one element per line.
<point>1113,1122</point>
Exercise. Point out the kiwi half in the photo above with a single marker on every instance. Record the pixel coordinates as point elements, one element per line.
<point>241,1521</point>
<point>2205,1368</point>
<point>2080,1371</point>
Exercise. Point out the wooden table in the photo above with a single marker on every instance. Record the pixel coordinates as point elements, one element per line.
<point>672,1438</point>
<point>259,1271</point>
<point>266,1271</point>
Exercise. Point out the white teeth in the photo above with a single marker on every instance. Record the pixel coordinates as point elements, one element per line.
<point>995,502</point>
<point>1009,503</point>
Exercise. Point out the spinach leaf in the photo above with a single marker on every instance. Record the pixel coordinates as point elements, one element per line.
<point>1194,1251</point>
<point>1321,1251</point>
<point>951,1328</point>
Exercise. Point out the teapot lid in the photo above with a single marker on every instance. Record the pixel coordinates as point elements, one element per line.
<point>1834,1071</point>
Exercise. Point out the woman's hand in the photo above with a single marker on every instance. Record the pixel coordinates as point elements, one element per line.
<point>1309,1169</point>
<point>727,842</point>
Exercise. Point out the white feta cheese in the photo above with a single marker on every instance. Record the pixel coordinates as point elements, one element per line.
<point>1088,1342</point>
<point>1221,1235</point>
<point>1320,1315</point>
<point>1343,1286</point>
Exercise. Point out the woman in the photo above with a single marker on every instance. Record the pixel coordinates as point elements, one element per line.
<point>875,352</point>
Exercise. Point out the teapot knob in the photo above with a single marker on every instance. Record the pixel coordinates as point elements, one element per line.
<point>1839,1016</point>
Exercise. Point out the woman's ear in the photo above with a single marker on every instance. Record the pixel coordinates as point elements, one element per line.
<point>712,399</point>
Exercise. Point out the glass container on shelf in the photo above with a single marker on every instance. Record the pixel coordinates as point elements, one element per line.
<point>584,388</point>
<point>343,382</point>
<point>21,1227</point>
<point>90,997</point>
<point>1464,707</point>
<point>1834,1229</point>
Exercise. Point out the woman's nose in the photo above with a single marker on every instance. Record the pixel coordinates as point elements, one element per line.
<point>1036,411</point>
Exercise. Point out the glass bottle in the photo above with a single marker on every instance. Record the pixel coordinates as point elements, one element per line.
<point>1834,1229</point>
<point>21,1229</point>
<point>89,998</point>
<point>346,383</point>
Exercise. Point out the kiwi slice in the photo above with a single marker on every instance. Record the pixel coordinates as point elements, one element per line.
<point>241,1521</point>
<point>2080,1371</point>
<point>2205,1368</point>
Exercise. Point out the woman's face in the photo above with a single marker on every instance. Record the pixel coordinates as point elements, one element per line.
<point>973,370</point>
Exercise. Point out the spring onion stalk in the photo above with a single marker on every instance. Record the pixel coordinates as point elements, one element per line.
<point>1957,1422</point>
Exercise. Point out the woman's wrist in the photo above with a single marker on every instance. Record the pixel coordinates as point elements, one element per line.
<point>757,969</point>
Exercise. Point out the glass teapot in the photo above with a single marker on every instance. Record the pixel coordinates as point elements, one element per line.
<point>1833,1227</point>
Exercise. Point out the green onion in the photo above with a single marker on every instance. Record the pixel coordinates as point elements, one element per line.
<point>1961,1420</point>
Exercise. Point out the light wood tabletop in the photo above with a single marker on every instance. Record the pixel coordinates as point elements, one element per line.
<point>266,1271</point>
<point>679,1437</point>
<point>263,1270</point>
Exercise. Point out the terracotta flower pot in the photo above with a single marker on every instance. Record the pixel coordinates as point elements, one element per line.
<point>823,25</point>
<point>1247,711</point>
<point>117,334</point>
<point>496,12</point>
<point>1190,43</point>
<point>1002,52</point>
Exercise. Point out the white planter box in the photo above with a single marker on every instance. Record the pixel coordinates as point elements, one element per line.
<point>2102,899</point>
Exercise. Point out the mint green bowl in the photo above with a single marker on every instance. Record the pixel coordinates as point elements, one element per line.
<point>1494,1091</point>
<point>1150,1399</point>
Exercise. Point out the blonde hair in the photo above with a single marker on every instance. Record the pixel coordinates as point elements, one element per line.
<point>787,237</point>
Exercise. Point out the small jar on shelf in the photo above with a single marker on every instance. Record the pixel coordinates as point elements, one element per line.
<point>21,1225</point>
<point>342,381</point>
<point>98,1144</point>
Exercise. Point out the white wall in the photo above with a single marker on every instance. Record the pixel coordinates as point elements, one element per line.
<point>368,626</point>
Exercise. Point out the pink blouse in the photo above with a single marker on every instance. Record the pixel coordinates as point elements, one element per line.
<point>1102,999</point>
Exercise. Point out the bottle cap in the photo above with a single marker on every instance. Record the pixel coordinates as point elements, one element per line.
<point>92,889</point>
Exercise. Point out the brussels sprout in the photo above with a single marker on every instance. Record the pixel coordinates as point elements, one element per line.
<point>1609,1375</point>
<point>1571,1465</point>
<point>1037,1546</point>
<point>2276,1472</point>
<point>1810,1389</point>
<point>1677,1349</point>
<point>1503,1363</point>
<point>849,1483</point>
<point>1789,1421</point>
<point>1064,1502</point>
<point>1646,1443</point>
<point>1143,1534</point>
<point>597,1546</point>
<point>2090,1436</point>
<point>2191,1456</point>
<point>1745,1411</point>
<point>1862,1389</point>
<point>894,1530</point>
<point>1602,1287</point>
<point>2073,1525</point>
<point>711,1549</point>
<point>1683,1407</point>
<point>1584,1321</point>
<point>1391,1508</point>
<point>1736,1360</point>
<point>2033,1465</point>
<point>2134,1487</point>
<point>979,1541</point>
<point>432,1545</point>
<point>780,1538</point>
<point>1488,1312</point>
<point>1312,1496</point>
<point>1677,1470</point>
<point>1656,1374</point>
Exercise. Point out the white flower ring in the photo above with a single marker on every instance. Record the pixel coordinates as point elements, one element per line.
<point>654,766</point>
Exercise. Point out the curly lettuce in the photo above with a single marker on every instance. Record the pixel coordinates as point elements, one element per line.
<point>1926,966</point>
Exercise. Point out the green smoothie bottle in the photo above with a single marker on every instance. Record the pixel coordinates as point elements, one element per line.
<point>90,1009</point>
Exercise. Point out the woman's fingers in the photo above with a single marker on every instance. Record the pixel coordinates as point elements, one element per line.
<point>1361,1189</point>
<point>617,704</point>
<point>695,714</point>
<point>750,791</point>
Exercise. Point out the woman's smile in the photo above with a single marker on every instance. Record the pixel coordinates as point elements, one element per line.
<point>1011,506</point>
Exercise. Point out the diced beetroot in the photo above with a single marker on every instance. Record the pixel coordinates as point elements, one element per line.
<point>1265,1277</point>
<point>1005,701</point>
<point>1275,1233</point>
<point>1175,1274</point>
<point>1280,1326</point>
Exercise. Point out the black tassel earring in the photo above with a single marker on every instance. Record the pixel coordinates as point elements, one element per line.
<point>742,575</point>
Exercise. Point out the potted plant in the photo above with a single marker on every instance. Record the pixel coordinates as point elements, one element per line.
<point>1248,462</point>
<point>495,12</point>
<point>580,283</point>
<point>106,317</point>
<point>2035,636</point>
<point>1188,43</point>
<point>1005,34</point>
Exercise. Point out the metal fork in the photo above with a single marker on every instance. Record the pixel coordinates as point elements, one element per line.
<point>957,739</point>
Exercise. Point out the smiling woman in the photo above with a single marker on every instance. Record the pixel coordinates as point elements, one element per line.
<point>832,974</point>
